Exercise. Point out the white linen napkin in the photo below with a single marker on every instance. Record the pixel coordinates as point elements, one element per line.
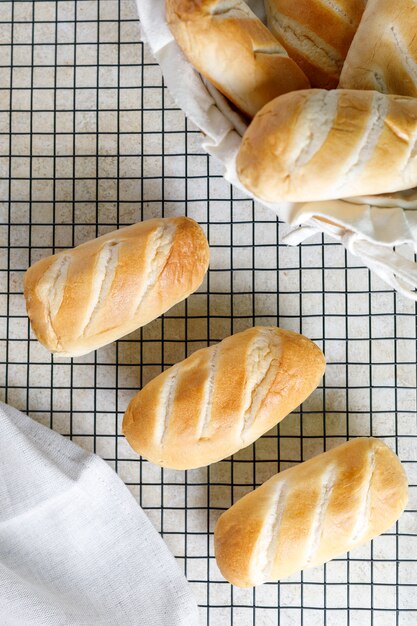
<point>75,547</point>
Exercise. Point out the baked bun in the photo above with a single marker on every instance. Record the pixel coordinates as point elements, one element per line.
<point>84,298</point>
<point>383,54</point>
<point>322,145</point>
<point>222,398</point>
<point>316,34</point>
<point>229,45</point>
<point>311,513</point>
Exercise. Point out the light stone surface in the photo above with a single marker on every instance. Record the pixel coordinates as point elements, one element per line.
<point>91,140</point>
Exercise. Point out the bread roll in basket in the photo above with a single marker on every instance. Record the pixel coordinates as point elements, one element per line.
<point>360,224</point>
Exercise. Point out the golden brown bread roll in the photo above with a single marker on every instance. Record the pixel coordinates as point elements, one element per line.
<point>230,46</point>
<point>323,145</point>
<point>86,297</point>
<point>383,57</point>
<point>222,398</point>
<point>316,34</point>
<point>383,54</point>
<point>311,513</point>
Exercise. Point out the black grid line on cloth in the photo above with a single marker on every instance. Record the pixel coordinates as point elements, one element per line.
<point>90,140</point>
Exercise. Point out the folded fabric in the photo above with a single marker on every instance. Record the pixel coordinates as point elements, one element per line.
<point>75,547</point>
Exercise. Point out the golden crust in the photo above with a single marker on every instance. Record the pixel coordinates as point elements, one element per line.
<point>230,46</point>
<point>86,297</point>
<point>222,398</point>
<point>384,49</point>
<point>316,34</point>
<point>326,506</point>
<point>317,145</point>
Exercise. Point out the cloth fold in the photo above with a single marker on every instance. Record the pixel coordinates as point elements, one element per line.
<point>75,547</point>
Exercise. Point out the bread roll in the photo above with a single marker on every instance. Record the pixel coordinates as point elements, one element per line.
<point>383,57</point>
<point>84,298</point>
<point>311,513</point>
<point>316,34</point>
<point>230,46</point>
<point>222,398</point>
<point>322,145</point>
<point>383,54</point>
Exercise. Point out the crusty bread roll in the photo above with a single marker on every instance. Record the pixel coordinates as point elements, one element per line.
<point>383,54</point>
<point>316,34</point>
<point>322,145</point>
<point>222,398</point>
<point>311,513</point>
<point>383,57</point>
<point>86,297</point>
<point>230,46</point>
